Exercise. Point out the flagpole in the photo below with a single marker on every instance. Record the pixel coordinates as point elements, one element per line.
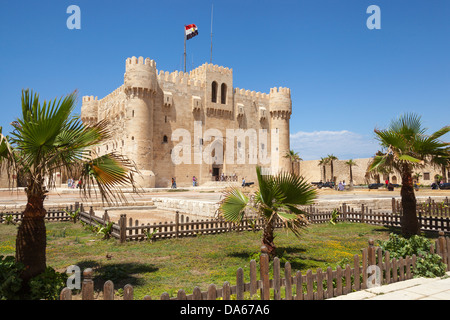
<point>184,31</point>
<point>212,12</point>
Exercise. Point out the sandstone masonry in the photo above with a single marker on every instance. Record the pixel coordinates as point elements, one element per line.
<point>151,105</point>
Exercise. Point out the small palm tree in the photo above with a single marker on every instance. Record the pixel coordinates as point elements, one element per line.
<point>351,163</point>
<point>407,146</point>
<point>47,139</point>
<point>323,162</point>
<point>278,197</point>
<point>417,176</point>
<point>442,162</point>
<point>293,157</point>
<point>332,158</point>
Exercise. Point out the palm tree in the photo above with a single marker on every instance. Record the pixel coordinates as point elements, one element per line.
<point>443,162</point>
<point>293,157</point>
<point>384,170</point>
<point>408,147</point>
<point>332,158</point>
<point>417,176</point>
<point>277,198</point>
<point>47,139</point>
<point>323,162</point>
<point>350,164</point>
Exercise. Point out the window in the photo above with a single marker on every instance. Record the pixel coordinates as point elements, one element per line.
<point>214,92</point>
<point>426,176</point>
<point>165,139</point>
<point>132,113</point>
<point>223,93</point>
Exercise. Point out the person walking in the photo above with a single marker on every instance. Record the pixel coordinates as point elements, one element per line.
<point>174,183</point>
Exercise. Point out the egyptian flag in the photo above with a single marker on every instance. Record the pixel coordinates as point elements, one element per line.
<point>191,31</point>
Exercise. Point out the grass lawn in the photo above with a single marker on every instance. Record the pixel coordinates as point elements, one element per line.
<point>170,265</point>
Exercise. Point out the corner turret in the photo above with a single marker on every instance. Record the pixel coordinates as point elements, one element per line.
<point>89,110</point>
<point>140,86</point>
<point>280,108</point>
<point>140,74</point>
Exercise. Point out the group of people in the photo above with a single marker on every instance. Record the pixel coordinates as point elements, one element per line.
<point>194,182</point>
<point>224,177</point>
<point>341,186</point>
<point>71,183</point>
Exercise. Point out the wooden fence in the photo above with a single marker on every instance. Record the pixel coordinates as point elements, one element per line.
<point>374,268</point>
<point>60,214</point>
<point>433,216</point>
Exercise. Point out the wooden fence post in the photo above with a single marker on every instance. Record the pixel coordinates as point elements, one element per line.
<point>66,294</point>
<point>123,228</point>
<point>128,292</point>
<point>253,278</point>
<point>226,291</point>
<point>276,279</point>
<point>108,290</point>
<point>264,273</point>
<point>288,280</point>
<point>87,289</point>
<point>240,285</point>
<point>177,223</point>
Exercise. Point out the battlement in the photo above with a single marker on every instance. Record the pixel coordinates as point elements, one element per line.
<point>140,61</point>
<point>113,94</point>
<point>209,67</point>
<point>89,99</point>
<point>250,94</point>
<point>281,90</point>
<point>179,77</point>
<point>140,74</point>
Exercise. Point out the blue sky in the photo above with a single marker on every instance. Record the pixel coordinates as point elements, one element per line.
<point>345,79</point>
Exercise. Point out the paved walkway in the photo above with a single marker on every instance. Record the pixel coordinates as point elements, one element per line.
<point>414,289</point>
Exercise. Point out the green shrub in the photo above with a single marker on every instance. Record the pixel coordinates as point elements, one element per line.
<point>427,264</point>
<point>10,282</point>
<point>47,285</point>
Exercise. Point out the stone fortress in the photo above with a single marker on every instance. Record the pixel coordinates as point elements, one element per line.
<point>151,106</point>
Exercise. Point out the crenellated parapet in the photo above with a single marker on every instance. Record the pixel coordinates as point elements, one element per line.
<point>280,103</point>
<point>179,78</point>
<point>250,94</point>
<point>140,76</point>
<point>89,110</point>
<point>209,67</point>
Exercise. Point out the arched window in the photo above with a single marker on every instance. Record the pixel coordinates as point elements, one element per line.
<point>214,92</point>
<point>223,93</point>
<point>165,139</point>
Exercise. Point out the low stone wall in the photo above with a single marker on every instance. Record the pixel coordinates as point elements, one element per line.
<point>377,205</point>
<point>190,207</point>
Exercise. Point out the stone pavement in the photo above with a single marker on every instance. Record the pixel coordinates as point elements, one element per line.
<point>413,289</point>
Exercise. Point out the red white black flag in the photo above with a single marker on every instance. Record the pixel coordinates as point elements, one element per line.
<point>191,31</point>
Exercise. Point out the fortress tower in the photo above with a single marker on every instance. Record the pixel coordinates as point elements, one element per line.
<point>280,105</point>
<point>146,111</point>
<point>140,86</point>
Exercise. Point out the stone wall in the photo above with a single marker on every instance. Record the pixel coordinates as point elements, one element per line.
<point>314,173</point>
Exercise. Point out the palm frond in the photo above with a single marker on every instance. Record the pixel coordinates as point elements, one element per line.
<point>233,206</point>
<point>110,173</point>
